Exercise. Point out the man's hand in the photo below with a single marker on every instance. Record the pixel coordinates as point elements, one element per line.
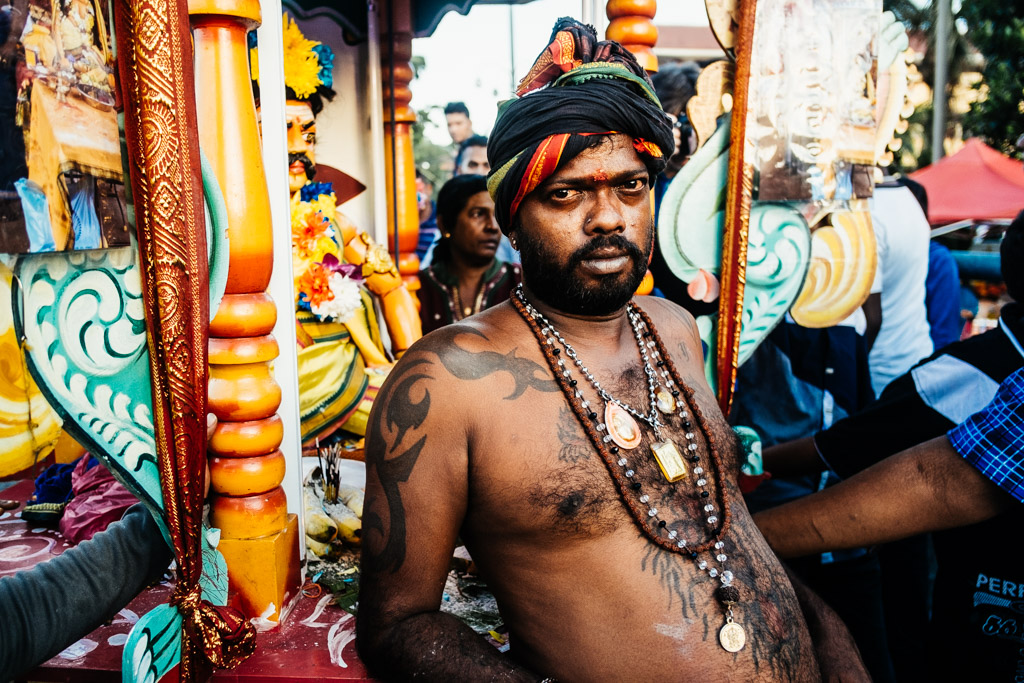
<point>837,653</point>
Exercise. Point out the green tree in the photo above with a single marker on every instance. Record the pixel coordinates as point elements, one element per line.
<point>996,29</point>
<point>920,19</point>
<point>434,161</point>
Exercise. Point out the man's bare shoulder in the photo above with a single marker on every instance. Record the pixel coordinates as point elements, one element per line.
<point>676,327</point>
<point>670,318</point>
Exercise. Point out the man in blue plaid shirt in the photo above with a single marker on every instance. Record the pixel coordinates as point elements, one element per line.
<point>993,439</point>
<point>971,474</point>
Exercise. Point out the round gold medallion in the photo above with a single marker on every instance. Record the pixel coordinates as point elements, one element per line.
<point>732,637</point>
<point>623,429</point>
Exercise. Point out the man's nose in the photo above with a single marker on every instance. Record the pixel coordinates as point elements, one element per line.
<point>605,216</point>
<point>492,224</point>
<point>296,141</point>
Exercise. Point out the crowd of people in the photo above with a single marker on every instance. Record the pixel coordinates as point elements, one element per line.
<point>563,430</point>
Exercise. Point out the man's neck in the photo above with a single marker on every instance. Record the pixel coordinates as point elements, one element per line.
<point>468,271</point>
<point>610,331</point>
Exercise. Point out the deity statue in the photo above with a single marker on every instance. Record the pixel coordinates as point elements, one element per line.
<point>339,270</point>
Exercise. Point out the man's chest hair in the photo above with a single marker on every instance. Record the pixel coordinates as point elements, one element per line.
<point>535,470</point>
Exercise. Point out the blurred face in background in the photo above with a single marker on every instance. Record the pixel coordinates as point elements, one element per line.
<point>459,127</point>
<point>475,235</point>
<point>474,161</point>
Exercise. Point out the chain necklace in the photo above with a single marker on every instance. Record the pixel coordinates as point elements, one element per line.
<point>731,636</point>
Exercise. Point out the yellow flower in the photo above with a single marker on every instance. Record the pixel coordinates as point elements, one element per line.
<point>325,204</point>
<point>301,64</point>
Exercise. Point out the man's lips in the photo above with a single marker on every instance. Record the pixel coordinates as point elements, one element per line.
<point>297,167</point>
<point>605,261</point>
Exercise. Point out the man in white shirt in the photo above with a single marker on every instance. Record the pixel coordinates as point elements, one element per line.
<point>902,233</point>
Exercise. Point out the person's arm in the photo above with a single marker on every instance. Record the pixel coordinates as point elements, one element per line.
<point>925,488</point>
<point>873,315</point>
<point>794,458</point>
<point>59,601</point>
<point>417,461</point>
<point>837,653</point>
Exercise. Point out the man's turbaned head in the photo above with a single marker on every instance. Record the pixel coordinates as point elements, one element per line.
<point>579,91</point>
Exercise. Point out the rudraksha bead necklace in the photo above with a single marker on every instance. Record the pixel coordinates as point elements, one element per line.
<point>618,433</point>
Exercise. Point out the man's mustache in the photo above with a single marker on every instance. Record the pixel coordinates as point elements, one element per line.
<point>307,163</point>
<point>603,242</point>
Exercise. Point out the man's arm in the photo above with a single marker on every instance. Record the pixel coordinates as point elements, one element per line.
<point>872,307</point>
<point>925,488</point>
<point>416,497</point>
<point>47,608</point>
<point>837,653</point>
<point>795,458</point>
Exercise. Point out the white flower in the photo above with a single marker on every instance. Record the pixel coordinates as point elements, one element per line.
<point>346,299</point>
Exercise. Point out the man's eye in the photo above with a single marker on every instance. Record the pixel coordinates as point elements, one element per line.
<point>563,193</point>
<point>634,184</point>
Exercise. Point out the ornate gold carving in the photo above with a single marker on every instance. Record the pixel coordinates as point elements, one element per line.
<point>737,218</point>
<point>160,125</point>
<point>378,260</point>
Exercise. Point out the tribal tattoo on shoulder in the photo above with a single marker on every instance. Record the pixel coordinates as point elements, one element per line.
<point>398,414</point>
<point>473,365</point>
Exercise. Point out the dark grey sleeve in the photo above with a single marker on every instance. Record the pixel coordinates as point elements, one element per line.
<point>47,608</point>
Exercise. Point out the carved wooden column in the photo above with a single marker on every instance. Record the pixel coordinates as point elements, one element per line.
<point>632,25</point>
<point>400,174</point>
<point>259,537</point>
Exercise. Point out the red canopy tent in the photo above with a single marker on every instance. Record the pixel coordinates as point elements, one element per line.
<point>976,183</point>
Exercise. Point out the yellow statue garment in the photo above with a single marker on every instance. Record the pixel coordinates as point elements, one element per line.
<point>341,364</point>
<point>28,425</point>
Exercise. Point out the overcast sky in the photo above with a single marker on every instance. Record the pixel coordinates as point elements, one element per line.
<point>468,57</point>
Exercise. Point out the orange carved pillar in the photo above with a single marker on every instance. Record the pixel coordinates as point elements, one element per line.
<point>631,23</point>
<point>258,537</point>
<point>401,172</point>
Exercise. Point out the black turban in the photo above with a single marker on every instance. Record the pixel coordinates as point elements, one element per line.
<point>592,88</point>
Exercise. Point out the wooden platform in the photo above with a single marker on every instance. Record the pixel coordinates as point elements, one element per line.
<point>317,642</point>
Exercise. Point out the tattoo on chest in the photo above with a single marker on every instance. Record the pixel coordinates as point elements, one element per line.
<point>473,365</point>
<point>400,415</point>
<point>573,443</point>
<point>773,649</point>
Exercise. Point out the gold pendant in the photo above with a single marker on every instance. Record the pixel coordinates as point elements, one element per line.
<point>732,636</point>
<point>669,460</point>
<point>665,401</point>
<point>623,429</point>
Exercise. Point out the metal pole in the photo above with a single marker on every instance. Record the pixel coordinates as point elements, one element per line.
<point>939,99</point>
<point>511,52</point>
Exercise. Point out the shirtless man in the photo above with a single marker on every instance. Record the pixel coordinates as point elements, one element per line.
<point>472,437</point>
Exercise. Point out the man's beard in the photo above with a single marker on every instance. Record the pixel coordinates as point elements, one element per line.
<point>558,285</point>
<point>307,163</point>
